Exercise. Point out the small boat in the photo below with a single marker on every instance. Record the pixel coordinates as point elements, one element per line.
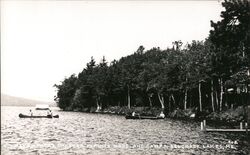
<point>42,107</point>
<point>48,116</point>
<point>142,117</point>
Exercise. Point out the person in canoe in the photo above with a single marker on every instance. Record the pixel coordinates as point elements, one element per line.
<point>135,114</point>
<point>31,113</point>
<point>49,113</point>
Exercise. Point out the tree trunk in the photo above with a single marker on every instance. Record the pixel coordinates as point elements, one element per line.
<point>100,107</point>
<point>150,101</point>
<point>243,52</point>
<point>173,98</point>
<point>212,95</point>
<point>216,99</point>
<point>97,104</point>
<point>221,93</point>
<point>128,98</point>
<point>247,94</point>
<point>185,100</point>
<point>169,104</point>
<point>200,96</point>
<point>161,99</point>
<point>191,99</point>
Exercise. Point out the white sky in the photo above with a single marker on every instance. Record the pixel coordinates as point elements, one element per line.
<point>44,41</point>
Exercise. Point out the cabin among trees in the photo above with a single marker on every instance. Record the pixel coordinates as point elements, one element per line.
<point>211,75</point>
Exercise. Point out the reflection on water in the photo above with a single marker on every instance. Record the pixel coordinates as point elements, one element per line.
<point>84,133</point>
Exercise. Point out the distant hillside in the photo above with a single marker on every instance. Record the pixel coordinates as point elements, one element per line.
<point>7,100</point>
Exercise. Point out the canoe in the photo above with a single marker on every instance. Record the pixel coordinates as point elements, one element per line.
<point>142,117</point>
<point>48,116</point>
<point>42,107</point>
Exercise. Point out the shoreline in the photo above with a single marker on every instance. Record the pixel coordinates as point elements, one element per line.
<point>230,117</point>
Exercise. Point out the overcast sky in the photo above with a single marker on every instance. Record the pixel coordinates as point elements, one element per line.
<point>42,42</point>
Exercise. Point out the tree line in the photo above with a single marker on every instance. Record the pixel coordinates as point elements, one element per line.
<point>209,75</point>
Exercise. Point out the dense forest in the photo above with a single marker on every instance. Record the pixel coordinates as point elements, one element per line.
<point>210,75</point>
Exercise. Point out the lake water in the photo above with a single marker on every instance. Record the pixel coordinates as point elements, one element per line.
<point>85,133</point>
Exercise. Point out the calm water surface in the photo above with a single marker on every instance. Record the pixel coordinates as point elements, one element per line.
<point>83,133</point>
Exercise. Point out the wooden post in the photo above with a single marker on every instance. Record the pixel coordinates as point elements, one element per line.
<point>205,127</point>
<point>202,127</point>
<point>204,122</point>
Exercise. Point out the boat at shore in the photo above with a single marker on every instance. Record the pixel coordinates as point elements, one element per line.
<point>42,107</point>
<point>142,117</point>
<point>47,116</point>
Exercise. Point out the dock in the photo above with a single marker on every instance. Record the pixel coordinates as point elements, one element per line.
<point>225,130</point>
<point>240,129</point>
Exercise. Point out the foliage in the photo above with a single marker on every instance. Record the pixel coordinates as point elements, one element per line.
<point>146,78</point>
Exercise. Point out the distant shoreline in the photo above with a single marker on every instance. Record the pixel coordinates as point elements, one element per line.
<point>8,100</point>
<point>24,106</point>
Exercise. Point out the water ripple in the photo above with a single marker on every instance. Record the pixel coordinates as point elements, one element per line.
<point>83,133</point>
